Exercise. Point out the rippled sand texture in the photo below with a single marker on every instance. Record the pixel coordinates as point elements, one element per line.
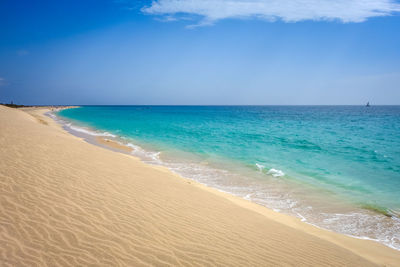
<point>67,202</point>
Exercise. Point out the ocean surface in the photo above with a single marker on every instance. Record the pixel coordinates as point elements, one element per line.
<point>336,167</point>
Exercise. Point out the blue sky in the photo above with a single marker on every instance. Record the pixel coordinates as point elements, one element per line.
<point>200,52</point>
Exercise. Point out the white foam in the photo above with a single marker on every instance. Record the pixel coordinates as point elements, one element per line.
<point>272,171</point>
<point>89,132</point>
<point>147,156</point>
<point>260,167</point>
<point>134,147</point>
<point>248,196</point>
<point>76,128</point>
<point>303,219</point>
<point>50,114</point>
<point>155,156</point>
<point>276,173</point>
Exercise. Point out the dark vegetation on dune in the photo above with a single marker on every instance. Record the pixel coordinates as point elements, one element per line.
<point>12,105</point>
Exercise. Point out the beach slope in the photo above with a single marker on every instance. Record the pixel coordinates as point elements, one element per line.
<point>67,202</point>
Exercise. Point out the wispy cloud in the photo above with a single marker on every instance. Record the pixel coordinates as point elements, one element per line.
<point>131,5</point>
<point>211,11</point>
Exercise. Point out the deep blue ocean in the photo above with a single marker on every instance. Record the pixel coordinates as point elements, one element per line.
<point>337,167</point>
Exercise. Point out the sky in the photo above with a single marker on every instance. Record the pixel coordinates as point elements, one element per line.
<point>200,52</point>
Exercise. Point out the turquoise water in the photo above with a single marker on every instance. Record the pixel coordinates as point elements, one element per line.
<point>334,166</point>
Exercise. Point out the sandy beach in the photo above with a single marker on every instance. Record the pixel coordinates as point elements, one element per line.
<point>70,203</point>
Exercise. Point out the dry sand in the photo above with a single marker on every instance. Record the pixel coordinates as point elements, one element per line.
<point>67,202</point>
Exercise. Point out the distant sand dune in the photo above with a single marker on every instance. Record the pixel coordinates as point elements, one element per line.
<point>66,202</point>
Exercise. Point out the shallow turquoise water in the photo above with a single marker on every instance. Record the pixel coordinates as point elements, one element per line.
<point>350,152</point>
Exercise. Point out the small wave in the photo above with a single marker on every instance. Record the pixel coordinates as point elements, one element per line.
<point>134,147</point>
<point>147,156</point>
<point>155,156</point>
<point>89,132</point>
<point>51,115</point>
<point>276,173</point>
<point>272,171</point>
<point>260,167</point>
<point>302,218</point>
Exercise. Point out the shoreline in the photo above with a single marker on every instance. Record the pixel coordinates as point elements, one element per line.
<point>342,207</point>
<point>113,145</point>
<point>367,249</point>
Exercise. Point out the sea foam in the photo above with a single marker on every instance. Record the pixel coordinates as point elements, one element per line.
<point>89,132</point>
<point>272,171</point>
<point>276,173</point>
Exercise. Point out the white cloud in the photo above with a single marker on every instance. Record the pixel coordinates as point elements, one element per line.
<point>286,10</point>
<point>2,81</point>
